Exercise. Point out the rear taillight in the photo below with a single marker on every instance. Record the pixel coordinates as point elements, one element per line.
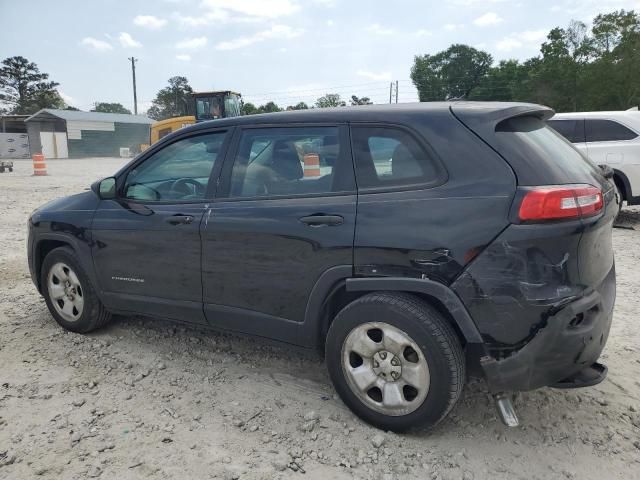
<point>556,202</point>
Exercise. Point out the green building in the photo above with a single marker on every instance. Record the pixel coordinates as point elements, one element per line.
<point>74,134</point>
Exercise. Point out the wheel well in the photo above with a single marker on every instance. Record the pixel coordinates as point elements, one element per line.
<point>339,298</point>
<point>42,250</point>
<point>620,183</point>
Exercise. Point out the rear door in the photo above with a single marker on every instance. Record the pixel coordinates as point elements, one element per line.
<point>607,141</point>
<point>286,214</point>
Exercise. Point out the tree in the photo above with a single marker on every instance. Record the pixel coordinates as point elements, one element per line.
<point>508,81</point>
<point>452,73</point>
<point>269,107</point>
<point>248,109</point>
<point>360,101</point>
<point>330,100</point>
<point>172,101</point>
<point>24,89</point>
<point>298,106</point>
<point>105,107</point>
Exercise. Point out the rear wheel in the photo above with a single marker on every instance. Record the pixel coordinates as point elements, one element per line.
<point>70,297</point>
<point>395,361</point>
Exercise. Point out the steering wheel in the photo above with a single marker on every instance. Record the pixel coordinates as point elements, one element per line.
<point>186,187</point>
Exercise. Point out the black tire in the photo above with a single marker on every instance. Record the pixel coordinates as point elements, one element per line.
<point>620,197</point>
<point>94,315</point>
<point>426,327</point>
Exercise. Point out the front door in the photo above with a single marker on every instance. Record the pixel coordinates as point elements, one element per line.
<point>146,243</point>
<point>286,215</point>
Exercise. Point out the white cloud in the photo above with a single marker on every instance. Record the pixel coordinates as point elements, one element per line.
<point>184,57</point>
<point>211,17</point>
<point>127,41</point>
<point>379,29</point>
<point>95,44</point>
<point>488,19</point>
<point>508,43</point>
<point>254,8</point>
<point>423,33</point>
<point>528,38</point>
<point>450,27</point>
<point>276,31</point>
<point>191,43</point>
<point>534,35</point>
<point>331,23</point>
<point>325,3</point>
<point>473,3</point>
<point>149,21</point>
<point>376,76</point>
<point>67,99</point>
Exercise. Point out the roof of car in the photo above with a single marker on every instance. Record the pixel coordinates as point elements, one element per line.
<point>607,114</point>
<point>379,113</point>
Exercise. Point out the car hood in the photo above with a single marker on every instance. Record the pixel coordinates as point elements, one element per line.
<point>85,201</point>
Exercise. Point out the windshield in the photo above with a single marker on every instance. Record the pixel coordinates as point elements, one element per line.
<point>217,106</point>
<point>209,108</point>
<point>544,150</point>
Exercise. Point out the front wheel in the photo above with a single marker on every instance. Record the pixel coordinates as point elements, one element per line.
<point>69,294</point>
<point>395,361</point>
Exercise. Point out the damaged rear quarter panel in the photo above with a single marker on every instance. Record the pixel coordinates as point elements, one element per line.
<point>511,288</point>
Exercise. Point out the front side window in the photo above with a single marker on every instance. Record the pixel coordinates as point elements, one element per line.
<point>389,157</point>
<point>572,130</point>
<point>180,171</point>
<point>285,161</point>
<point>607,131</point>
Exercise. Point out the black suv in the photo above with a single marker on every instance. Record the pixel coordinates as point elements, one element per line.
<point>413,244</point>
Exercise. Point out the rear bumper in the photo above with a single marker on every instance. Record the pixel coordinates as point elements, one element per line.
<point>572,340</point>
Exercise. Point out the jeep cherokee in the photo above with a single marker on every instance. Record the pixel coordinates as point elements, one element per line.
<point>414,244</point>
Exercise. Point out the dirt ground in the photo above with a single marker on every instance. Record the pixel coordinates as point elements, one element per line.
<point>145,398</point>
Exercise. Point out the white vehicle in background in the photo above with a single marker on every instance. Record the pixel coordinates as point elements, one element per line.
<point>607,138</point>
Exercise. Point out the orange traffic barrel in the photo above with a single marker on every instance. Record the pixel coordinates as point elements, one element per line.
<point>311,165</point>
<point>39,166</point>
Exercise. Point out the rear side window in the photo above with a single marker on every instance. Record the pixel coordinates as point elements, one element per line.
<point>572,130</point>
<point>390,157</point>
<point>607,131</point>
<point>534,143</point>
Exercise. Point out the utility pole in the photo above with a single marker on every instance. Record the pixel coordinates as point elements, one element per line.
<point>396,91</point>
<point>390,91</point>
<point>135,95</point>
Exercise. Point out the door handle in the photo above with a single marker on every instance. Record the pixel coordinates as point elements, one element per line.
<point>180,219</point>
<point>322,220</point>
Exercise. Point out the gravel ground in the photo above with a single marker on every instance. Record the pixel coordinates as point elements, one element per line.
<point>145,398</point>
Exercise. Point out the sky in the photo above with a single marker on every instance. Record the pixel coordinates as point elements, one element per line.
<point>281,50</point>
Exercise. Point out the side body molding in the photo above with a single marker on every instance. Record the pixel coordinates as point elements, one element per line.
<point>437,290</point>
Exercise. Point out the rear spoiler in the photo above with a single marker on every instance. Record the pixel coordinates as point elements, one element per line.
<point>483,120</point>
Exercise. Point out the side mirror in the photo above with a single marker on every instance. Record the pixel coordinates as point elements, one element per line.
<point>105,188</point>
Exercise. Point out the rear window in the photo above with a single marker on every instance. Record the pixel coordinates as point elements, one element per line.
<point>530,141</point>
<point>572,130</point>
<point>607,131</point>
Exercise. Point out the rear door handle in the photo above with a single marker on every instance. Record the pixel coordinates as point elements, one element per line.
<point>180,219</point>
<point>322,220</point>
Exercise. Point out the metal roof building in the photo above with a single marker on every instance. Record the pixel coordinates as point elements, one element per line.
<point>75,134</point>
